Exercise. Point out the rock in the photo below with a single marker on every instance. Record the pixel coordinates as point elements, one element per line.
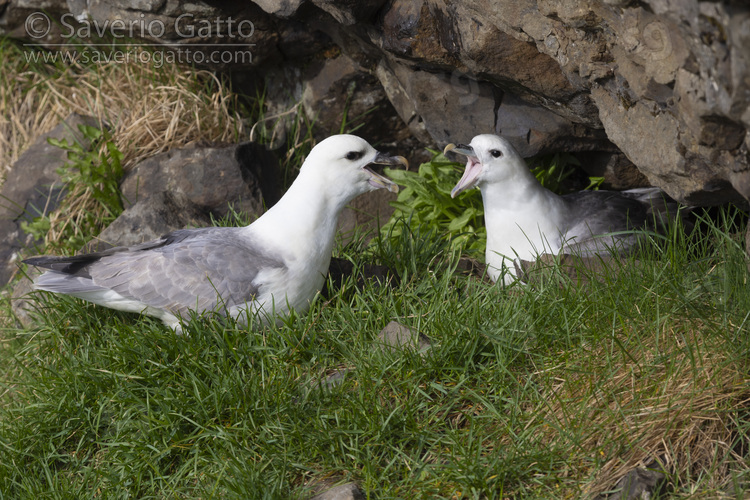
<point>259,164</point>
<point>653,143</point>
<point>32,187</point>
<point>366,213</point>
<point>442,108</point>
<point>282,86</point>
<point>299,43</point>
<point>536,130</point>
<point>284,8</point>
<point>21,305</point>
<point>348,491</point>
<point>639,484</point>
<point>148,220</point>
<point>344,96</point>
<point>465,36</point>
<point>654,74</point>
<point>397,336</point>
<point>36,21</point>
<point>348,12</point>
<point>618,171</point>
<point>186,187</point>
<point>468,266</point>
<point>468,40</point>
<point>207,177</point>
<point>332,379</point>
<point>401,100</point>
<point>420,32</point>
<point>437,107</point>
<point>335,378</point>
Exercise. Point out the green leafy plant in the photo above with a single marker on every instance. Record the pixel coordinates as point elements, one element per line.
<point>595,183</point>
<point>552,170</point>
<point>91,178</point>
<point>425,202</point>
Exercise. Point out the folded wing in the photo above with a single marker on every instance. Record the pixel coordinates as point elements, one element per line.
<point>196,269</point>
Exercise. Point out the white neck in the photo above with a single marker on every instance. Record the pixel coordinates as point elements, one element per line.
<point>303,222</point>
<point>520,192</point>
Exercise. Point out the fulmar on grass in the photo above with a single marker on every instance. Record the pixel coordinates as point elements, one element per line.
<point>276,264</point>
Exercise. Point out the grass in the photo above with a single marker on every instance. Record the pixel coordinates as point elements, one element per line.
<point>545,392</point>
<point>550,391</point>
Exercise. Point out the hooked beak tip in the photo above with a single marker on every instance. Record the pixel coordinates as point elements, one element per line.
<point>384,159</point>
<point>461,149</point>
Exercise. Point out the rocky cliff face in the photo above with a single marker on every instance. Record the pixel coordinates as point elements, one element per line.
<point>659,83</point>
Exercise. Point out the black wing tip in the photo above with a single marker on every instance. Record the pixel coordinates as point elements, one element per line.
<point>45,261</point>
<point>67,265</point>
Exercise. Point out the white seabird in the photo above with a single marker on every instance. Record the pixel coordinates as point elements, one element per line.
<point>261,271</point>
<point>525,220</point>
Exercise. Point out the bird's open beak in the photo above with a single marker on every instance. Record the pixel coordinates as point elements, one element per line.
<point>473,168</point>
<point>377,179</point>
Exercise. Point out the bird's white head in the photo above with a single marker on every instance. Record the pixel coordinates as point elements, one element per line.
<point>345,164</point>
<point>490,159</point>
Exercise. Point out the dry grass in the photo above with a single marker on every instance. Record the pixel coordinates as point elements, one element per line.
<point>149,110</point>
<point>671,401</point>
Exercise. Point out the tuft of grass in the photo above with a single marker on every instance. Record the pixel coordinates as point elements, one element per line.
<point>145,109</point>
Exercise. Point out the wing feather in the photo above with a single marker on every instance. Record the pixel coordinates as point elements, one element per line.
<point>607,219</point>
<point>184,270</point>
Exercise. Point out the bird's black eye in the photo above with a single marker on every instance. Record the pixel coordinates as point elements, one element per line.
<point>496,153</point>
<point>354,155</point>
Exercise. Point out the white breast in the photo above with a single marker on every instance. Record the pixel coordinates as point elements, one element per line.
<point>282,290</point>
<point>521,231</point>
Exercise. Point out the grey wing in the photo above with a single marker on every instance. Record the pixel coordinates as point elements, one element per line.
<point>604,220</point>
<point>200,272</point>
<point>197,269</point>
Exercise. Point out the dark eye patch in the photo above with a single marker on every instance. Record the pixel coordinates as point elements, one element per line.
<point>354,155</point>
<point>496,153</point>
